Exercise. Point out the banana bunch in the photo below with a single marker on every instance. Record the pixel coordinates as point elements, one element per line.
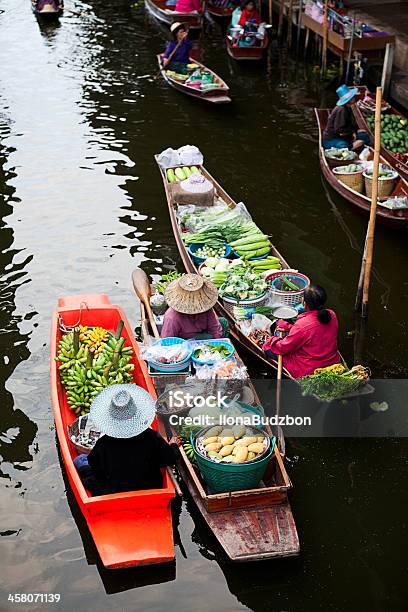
<point>85,372</point>
<point>188,449</point>
<point>94,337</point>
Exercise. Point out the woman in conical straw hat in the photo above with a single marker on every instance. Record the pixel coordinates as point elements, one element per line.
<point>129,455</point>
<point>191,299</point>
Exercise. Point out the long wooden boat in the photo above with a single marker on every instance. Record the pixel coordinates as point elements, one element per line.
<point>399,166</point>
<point>215,96</point>
<point>253,53</point>
<point>129,529</point>
<point>168,14</point>
<point>235,330</point>
<point>394,219</point>
<point>250,525</point>
<point>47,13</point>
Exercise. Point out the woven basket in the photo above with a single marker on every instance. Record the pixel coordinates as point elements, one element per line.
<point>334,163</point>
<point>287,298</point>
<point>385,186</point>
<point>354,180</point>
<point>225,477</point>
<point>229,303</point>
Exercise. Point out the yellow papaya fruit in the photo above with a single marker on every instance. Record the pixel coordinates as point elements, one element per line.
<point>241,454</point>
<point>246,441</point>
<point>256,447</point>
<point>251,456</point>
<point>227,440</point>
<point>210,440</point>
<point>226,450</point>
<point>215,446</point>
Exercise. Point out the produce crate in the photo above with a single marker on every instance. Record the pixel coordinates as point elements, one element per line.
<point>229,303</point>
<point>287,298</point>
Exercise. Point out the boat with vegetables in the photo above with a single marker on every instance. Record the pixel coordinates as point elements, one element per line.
<point>168,15</point>
<point>394,132</point>
<point>254,281</point>
<point>251,523</point>
<point>92,346</point>
<point>353,183</point>
<point>199,82</point>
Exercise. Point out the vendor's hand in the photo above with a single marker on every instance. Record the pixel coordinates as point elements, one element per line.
<point>165,61</point>
<point>183,35</point>
<point>176,440</point>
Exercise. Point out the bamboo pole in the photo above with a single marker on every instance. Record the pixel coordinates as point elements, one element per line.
<point>270,11</point>
<point>280,23</point>
<point>373,209</point>
<point>325,37</point>
<point>290,13</point>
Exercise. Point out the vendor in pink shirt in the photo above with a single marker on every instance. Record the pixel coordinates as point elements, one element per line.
<point>190,314</point>
<point>311,342</point>
<point>188,6</point>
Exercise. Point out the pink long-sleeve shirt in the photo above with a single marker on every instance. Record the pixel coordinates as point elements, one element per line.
<point>188,6</point>
<point>185,326</point>
<point>308,345</point>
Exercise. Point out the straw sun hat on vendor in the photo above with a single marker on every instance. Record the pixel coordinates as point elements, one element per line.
<point>191,294</point>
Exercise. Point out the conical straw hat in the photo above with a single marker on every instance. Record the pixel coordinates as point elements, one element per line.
<point>191,294</point>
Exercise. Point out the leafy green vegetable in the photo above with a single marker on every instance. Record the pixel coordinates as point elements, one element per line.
<point>165,280</point>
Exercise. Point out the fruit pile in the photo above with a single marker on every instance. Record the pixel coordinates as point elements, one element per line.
<point>235,445</point>
<point>175,175</point>
<point>88,365</point>
<point>394,132</point>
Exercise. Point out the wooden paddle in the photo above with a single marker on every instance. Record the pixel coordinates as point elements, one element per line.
<point>143,291</point>
<point>170,56</point>
<point>141,285</point>
<point>281,437</point>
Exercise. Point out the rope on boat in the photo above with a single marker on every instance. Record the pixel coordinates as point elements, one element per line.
<point>65,329</point>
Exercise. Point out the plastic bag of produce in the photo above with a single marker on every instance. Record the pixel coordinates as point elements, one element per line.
<point>197,183</point>
<point>395,203</point>
<point>190,155</point>
<point>168,158</point>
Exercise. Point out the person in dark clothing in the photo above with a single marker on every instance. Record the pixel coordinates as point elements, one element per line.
<point>130,455</point>
<point>341,129</point>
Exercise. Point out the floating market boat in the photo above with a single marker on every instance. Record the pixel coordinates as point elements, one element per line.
<point>168,15</point>
<point>216,95</point>
<point>250,525</point>
<point>362,113</point>
<point>48,12</point>
<point>132,528</point>
<point>392,218</point>
<point>249,52</point>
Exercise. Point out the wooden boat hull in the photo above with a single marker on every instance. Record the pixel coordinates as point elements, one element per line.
<point>218,96</point>
<point>251,525</point>
<point>194,21</point>
<point>247,53</point>
<point>132,528</point>
<point>401,168</point>
<point>397,219</point>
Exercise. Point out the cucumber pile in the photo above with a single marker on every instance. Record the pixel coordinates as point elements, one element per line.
<point>175,175</point>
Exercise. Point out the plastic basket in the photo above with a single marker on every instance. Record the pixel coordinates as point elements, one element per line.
<point>353,180</point>
<point>199,260</point>
<point>385,185</point>
<point>288,298</point>
<point>172,367</point>
<point>225,477</point>
<point>216,342</point>
<point>229,303</point>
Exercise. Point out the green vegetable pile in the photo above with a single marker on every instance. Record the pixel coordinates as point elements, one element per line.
<point>165,280</point>
<point>351,168</point>
<point>333,382</point>
<point>394,132</point>
<point>243,284</point>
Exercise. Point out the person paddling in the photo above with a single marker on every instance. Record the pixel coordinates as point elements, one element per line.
<point>311,342</point>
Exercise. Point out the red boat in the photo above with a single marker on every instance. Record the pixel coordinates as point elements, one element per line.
<point>394,219</point>
<point>129,529</point>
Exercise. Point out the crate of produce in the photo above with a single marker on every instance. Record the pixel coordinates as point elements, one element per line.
<point>230,303</point>
<point>351,175</point>
<point>386,181</point>
<point>199,252</point>
<point>235,462</point>
<point>287,287</point>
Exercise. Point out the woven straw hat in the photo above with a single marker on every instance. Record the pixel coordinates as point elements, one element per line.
<point>123,411</point>
<point>191,294</point>
<point>175,27</point>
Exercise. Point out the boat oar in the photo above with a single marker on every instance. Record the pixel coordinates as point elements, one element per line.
<point>281,437</point>
<point>143,291</point>
<point>169,58</point>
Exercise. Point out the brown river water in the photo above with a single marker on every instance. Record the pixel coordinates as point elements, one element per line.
<point>82,205</point>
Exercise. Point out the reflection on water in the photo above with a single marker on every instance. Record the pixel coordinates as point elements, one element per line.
<point>81,115</point>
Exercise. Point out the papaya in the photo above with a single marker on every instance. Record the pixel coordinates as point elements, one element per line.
<point>256,448</point>
<point>226,450</point>
<point>241,454</point>
<point>210,440</point>
<point>246,441</point>
<point>226,441</point>
<point>215,446</point>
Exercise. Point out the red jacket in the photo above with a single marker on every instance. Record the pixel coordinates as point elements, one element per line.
<point>308,345</point>
<point>253,17</point>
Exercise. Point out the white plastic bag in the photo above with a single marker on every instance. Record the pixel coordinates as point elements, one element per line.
<point>168,158</point>
<point>189,155</point>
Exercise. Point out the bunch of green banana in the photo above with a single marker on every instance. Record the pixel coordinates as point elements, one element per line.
<point>84,372</point>
<point>188,449</point>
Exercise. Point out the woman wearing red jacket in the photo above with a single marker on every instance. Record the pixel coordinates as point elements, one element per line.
<point>249,15</point>
<point>311,341</point>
